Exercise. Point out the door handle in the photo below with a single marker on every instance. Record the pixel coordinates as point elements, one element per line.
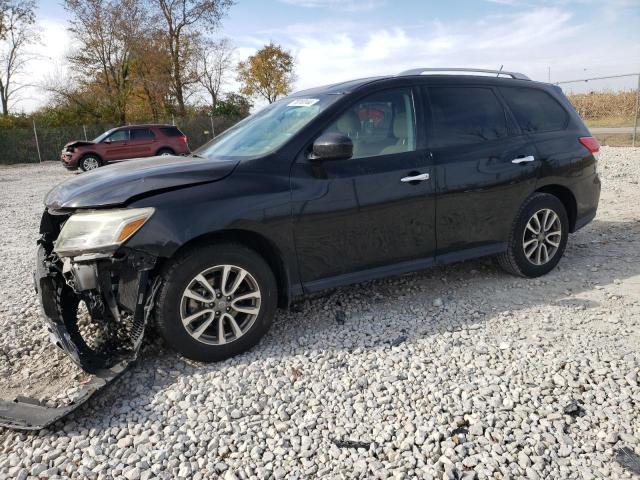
<point>528,158</point>
<point>415,178</point>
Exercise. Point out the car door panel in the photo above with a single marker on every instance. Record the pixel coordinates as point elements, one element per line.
<point>357,214</point>
<point>485,168</point>
<point>480,191</point>
<point>116,146</point>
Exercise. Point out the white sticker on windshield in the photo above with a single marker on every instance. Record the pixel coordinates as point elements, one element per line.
<point>303,102</point>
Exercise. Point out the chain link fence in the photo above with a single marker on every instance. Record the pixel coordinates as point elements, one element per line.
<point>38,143</point>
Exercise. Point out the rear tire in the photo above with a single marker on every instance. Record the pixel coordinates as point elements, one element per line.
<point>189,312</point>
<point>89,162</point>
<point>165,152</point>
<point>535,247</point>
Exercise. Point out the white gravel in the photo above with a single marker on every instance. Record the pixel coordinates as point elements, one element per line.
<point>456,372</point>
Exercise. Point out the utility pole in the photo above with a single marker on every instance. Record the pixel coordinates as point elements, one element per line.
<point>35,134</point>
<point>635,116</point>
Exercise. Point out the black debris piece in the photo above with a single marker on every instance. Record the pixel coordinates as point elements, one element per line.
<point>398,341</point>
<point>350,444</point>
<point>628,459</point>
<point>574,409</point>
<point>459,430</point>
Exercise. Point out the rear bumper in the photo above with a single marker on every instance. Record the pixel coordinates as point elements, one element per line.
<point>587,195</point>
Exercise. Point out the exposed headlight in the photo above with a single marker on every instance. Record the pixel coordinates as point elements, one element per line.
<point>99,231</point>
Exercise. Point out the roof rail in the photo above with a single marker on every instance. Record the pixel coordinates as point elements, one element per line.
<point>421,71</point>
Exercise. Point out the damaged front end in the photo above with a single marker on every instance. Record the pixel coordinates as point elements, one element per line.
<point>96,306</point>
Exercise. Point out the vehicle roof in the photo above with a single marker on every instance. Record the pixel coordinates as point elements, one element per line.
<point>164,125</point>
<point>352,85</point>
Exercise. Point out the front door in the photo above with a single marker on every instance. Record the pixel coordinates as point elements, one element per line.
<point>355,218</point>
<point>485,168</point>
<point>116,145</point>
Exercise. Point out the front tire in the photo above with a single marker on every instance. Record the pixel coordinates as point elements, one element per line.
<point>538,237</point>
<point>89,162</point>
<point>216,301</point>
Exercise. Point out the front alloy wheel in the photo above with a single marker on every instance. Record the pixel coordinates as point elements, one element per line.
<point>89,163</point>
<point>215,301</point>
<point>220,304</point>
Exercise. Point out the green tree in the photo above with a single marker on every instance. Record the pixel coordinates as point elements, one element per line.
<point>268,74</point>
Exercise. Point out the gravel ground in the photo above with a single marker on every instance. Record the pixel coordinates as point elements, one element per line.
<point>456,372</point>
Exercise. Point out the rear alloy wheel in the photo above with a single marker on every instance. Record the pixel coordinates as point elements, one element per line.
<point>538,237</point>
<point>90,162</point>
<point>216,301</point>
<point>542,236</point>
<point>165,152</point>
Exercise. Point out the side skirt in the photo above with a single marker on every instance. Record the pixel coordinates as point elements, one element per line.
<point>402,267</point>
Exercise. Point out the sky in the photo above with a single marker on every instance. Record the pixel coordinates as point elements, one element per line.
<point>335,40</point>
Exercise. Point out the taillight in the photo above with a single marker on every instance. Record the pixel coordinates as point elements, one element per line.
<point>591,143</point>
<point>183,139</point>
<point>594,147</point>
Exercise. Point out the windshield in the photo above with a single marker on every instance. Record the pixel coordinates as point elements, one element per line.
<point>100,138</point>
<point>266,130</point>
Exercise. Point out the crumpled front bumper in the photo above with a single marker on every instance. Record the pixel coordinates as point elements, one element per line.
<point>58,301</point>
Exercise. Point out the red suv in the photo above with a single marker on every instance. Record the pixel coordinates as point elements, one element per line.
<point>122,143</point>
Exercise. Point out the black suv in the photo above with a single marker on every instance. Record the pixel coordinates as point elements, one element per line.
<point>329,186</point>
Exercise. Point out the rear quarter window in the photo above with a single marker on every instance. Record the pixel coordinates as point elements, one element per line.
<point>171,131</point>
<point>535,110</point>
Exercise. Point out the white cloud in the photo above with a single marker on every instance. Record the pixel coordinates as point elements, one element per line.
<point>527,41</point>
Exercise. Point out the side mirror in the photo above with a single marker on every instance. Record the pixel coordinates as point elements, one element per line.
<point>107,140</point>
<point>332,146</point>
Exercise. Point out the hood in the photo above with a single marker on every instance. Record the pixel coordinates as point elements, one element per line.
<point>116,184</point>
<point>78,143</point>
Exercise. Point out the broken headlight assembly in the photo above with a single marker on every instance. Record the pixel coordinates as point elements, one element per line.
<point>99,231</point>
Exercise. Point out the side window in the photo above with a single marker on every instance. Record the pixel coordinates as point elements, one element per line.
<point>535,110</point>
<point>119,136</point>
<point>141,134</point>
<point>465,115</point>
<point>380,124</point>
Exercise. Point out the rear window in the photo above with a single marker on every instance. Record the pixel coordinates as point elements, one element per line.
<point>171,131</point>
<point>141,134</point>
<point>535,110</point>
<point>465,115</point>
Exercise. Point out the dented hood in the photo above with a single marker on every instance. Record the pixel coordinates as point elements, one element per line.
<point>78,143</point>
<point>116,184</point>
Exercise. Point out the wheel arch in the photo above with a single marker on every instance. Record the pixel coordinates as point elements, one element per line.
<point>93,154</point>
<point>257,242</point>
<point>568,199</point>
<point>173,152</point>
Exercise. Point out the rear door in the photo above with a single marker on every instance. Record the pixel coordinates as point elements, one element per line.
<point>485,168</point>
<point>116,145</point>
<point>142,142</point>
<point>355,215</point>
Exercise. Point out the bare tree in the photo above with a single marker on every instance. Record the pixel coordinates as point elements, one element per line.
<point>180,22</point>
<point>214,64</point>
<point>17,32</point>
<point>106,31</point>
